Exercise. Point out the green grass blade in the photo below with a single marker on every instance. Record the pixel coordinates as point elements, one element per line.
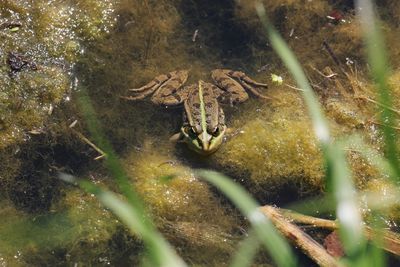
<point>279,249</point>
<point>289,59</point>
<point>378,62</point>
<point>247,251</point>
<point>132,213</point>
<point>339,180</point>
<point>161,252</point>
<point>380,70</point>
<point>347,209</point>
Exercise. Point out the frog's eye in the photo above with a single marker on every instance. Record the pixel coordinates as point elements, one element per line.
<point>216,132</point>
<point>191,131</point>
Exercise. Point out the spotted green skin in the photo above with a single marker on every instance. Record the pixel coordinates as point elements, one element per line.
<point>204,126</point>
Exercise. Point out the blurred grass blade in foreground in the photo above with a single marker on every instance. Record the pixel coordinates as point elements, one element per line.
<point>339,181</point>
<point>378,62</point>
<point>276,245</point>
<point>247,250</point>
<point>132,211</point>
<point>161,252</point>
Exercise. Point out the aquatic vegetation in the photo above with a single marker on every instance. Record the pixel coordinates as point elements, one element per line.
<point>46,37</point>
<point>268,154</point>
<point>182,205</point>
<point>115,45</point>
<point>78,223</point>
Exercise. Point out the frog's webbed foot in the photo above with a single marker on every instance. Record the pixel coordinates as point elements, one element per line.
<point>255,91</point>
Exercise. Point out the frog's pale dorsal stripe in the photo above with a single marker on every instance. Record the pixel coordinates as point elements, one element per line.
<point>202,108</point>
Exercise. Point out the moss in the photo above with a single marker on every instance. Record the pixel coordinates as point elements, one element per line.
<point>363,169</point>
<point>385,197</point>
<point>79,223</point>
<point>185,209</point>
<point>275,156</point>
<point>181,198</point>
<point>273,146</point>
<point>47,37</point>
<point>345,114</point>
<point>62,26</point>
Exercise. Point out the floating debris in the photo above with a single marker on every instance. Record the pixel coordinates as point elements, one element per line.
<point>277,79</point>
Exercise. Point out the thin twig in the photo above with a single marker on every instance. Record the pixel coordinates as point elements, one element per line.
<point>87,141</point>
<point>293,87</point>
<point>331,53</point>
<point>305,219</point>
<point>331,75</point>
<point>379,104</point>
<point>381,124</point>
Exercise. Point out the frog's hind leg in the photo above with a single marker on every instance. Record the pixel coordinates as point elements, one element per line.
<point>149,88</point>
<point>171,94</point>
<point>248,83</point>
<point>242,76</point>
<point>253,90</point>
<point>153,84</point>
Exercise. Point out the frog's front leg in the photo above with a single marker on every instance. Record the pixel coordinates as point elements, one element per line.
<point>179,136</point>
<point>176,137</point>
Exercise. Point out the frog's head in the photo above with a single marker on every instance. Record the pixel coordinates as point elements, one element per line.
<point>203,142</point>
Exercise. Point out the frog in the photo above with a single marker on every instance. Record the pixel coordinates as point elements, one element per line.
<point>203,128</point>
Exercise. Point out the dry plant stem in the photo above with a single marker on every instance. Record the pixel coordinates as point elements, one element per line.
<point>87,141</point>
<point>381,124</point>
<point>332,54</point>
<point>339,86</point>
<point>391,240</point>
<point>351,77</point>
<point>379,104</point>
<point>300,218</point>
<point>293,87</point>
<point>300,239</point>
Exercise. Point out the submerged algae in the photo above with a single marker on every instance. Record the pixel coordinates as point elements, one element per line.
<point>44,38</point>
<point>47,37</point>
<point>184,208</point>
<point>77,231</point>
<point>275,147</point>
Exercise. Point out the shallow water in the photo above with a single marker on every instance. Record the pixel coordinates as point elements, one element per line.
<point>110,46</point>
